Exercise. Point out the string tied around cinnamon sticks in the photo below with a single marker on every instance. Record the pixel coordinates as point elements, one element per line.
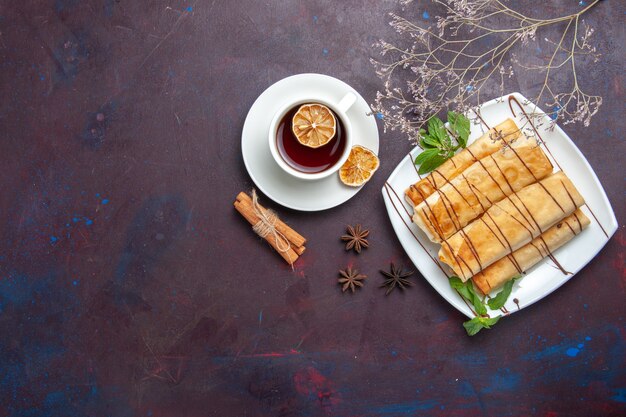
<point>267,225</point>
<point>287,242</point>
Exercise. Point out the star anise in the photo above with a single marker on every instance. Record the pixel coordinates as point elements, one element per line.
<point>356,238</point>
<point>396,278</point>
<point>350,278</point>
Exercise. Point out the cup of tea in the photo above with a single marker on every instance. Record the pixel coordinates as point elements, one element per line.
<point>305,162</point>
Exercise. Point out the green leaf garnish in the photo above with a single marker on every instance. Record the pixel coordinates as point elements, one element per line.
<point>460,125</point>
<point>466,289</point>
<point>499,300</point>
<point>429,142</point>
<point>476,324</point>
<point>431,164</point>
<point>426,155</point>
<point>437,144</point>
<point>437,130</point>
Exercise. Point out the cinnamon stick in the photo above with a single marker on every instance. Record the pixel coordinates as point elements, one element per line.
<point>277,242</point>
<point>294,237</point>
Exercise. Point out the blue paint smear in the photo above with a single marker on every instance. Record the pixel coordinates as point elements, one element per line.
<point>503,380</point>
<point>572,352</point>
<point>466,389</point>
<point>53,239</point>
<point>547,352</point>
<point>404,408</point>
<point>426,15</point>
<point>189,9</point>
<point>380,116</point>
<point>88,221</point>
<point>325,51</point>
<point>71,400</point>
<point>475,358</point>
<point>620,397</point>
<point>105,201</point>
<point>587,338</point>
<point>38,301</point>
<point>555,112</point>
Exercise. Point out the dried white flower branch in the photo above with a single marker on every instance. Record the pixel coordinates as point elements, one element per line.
<point>450,64</point>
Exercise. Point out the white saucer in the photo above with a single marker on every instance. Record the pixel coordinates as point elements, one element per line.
<point>281,187</point>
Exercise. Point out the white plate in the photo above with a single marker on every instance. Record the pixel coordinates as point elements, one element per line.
<point>544,277</point>
<point>268,176</point>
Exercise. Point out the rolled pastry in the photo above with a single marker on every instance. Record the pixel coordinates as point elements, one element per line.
<point>528,255</point>
<point>510,224</point>
<point>490,142</point>
<point>487,181</point>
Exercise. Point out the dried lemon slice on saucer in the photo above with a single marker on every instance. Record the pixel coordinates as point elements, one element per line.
<point>360,166</point>
<point>314,125</point>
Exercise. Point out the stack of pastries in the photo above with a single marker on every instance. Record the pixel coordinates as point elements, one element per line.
<point>496,208</point>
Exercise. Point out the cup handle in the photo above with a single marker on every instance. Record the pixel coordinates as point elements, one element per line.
<point>346,102</point>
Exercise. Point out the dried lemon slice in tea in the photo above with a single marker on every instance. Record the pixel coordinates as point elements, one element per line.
<point>314,125</point>
<point>360,166</point>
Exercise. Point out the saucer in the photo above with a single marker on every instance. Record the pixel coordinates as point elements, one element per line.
<point>288,191</point>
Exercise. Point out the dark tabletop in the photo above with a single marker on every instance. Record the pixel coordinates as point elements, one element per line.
<point>129,286</point>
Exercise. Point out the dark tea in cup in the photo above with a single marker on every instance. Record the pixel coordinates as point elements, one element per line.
<point>303,158</point>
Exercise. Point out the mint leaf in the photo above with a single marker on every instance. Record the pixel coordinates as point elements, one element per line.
<point>426,155</point>
<point>499,300</point>
<point>437,130</point>
<point>430,141</point>
<point>456,282</point>
<point>466,289</point>
<point>476,324</point>
<point>431,163</point>
<point>460,286</point>
<point>476,301</point>
<point>473,326</point>
<point>437,144</point>
<point>426,145</point>
<point>460,125</point>
<point>488,322</point>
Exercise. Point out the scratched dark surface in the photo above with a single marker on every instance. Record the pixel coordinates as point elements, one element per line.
<point>130,287</point>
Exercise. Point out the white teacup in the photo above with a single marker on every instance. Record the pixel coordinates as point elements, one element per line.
<point>339,109</point>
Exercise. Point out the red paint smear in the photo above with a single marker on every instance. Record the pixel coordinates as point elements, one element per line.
<point>303,261</point>
<point>551,414</point>
<point>312,383</point>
